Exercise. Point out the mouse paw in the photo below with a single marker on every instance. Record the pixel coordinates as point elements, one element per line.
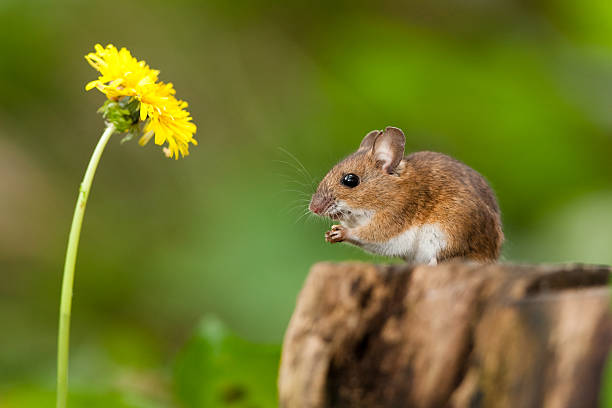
<point>336,234</point>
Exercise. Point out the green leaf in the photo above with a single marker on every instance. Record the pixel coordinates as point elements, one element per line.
<point>217,369</point>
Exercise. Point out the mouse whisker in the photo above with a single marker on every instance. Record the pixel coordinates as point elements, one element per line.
<point>291,155</point>
<point>302,173</point>
<point>302,216</point>
<point>289,180</point>
<point>290,209</point>
<point>300,194</point>
<point>298,204</point>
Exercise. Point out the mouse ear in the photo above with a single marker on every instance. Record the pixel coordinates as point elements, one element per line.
<point>389,148</point>
<point>368,140</point>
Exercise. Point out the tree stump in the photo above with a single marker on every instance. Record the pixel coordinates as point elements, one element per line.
<point>452,335</point>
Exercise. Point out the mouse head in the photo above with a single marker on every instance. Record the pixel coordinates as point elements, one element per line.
<point>363,182</point>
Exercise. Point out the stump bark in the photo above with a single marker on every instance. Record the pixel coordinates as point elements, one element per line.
<point>452,335</point>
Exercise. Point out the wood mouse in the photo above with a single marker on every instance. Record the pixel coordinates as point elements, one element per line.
<point>426,207</point>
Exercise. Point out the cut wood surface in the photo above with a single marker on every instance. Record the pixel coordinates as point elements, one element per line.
<point>452,335</point>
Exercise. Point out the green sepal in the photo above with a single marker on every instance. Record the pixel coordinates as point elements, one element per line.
<point>124,114</point>
<point>133,132</point>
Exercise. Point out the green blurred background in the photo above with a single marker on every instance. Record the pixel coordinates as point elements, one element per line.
<point>188,271</point>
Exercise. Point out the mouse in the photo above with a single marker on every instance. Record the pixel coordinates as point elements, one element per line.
<point>425,207</point>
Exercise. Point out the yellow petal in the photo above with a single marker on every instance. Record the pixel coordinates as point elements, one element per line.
<point>91,85</point>
<point>143,112</point>
<point>145,138</point>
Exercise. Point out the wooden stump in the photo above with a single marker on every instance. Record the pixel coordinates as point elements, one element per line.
<point>453,335</point>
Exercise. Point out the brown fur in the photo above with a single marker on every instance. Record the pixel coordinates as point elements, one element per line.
<point>424,188</point>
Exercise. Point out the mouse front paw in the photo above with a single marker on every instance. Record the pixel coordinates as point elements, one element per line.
<point>336,234</point>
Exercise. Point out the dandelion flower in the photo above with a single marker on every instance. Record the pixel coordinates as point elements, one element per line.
<point>136,95</point>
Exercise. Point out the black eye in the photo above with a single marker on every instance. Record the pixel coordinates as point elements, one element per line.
<point>350,180</point>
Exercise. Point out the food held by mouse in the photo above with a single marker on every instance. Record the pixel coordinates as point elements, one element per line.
<point>425,207</point>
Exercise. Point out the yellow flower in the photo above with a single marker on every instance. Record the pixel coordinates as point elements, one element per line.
<point>166,117</point>
<point>122,74</point>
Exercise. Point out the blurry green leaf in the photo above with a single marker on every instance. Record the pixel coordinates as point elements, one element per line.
<point>36,397</point>
<point>218,369</point>
<point>579,231</point>
<point>588,22</point>
<point>605,398</point>
<point>131,347</point>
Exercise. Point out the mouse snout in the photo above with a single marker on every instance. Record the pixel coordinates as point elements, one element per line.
<point>320,202</point>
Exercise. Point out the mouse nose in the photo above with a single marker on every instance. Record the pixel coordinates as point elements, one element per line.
<point>319,203</point>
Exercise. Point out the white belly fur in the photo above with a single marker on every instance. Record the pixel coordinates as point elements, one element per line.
<point>420,244</point>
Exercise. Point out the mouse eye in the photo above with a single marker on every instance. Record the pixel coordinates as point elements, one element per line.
<point>350,180</point>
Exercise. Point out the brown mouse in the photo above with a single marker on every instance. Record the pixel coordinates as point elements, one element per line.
<point>426,207</point>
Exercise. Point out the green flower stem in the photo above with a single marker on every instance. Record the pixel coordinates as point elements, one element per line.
<point>63,336</point>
